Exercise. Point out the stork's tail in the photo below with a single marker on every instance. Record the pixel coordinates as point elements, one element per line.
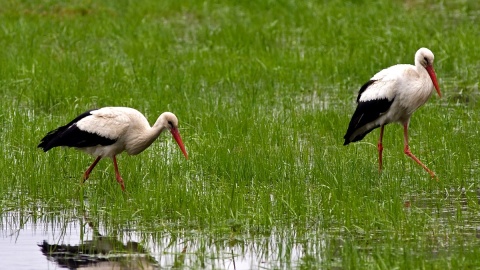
<point>50,140</point>
<point>356,135</point>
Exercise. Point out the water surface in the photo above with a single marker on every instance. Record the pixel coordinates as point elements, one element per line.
<point>70,240</point>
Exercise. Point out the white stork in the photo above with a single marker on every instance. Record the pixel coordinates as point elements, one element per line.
<point>392,95</point>
<point>108,131</point>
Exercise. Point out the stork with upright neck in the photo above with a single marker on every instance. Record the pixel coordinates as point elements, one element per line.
<point>109,131</point>
<point>392,95</point>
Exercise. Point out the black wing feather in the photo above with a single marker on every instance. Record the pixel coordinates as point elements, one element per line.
<point>70,135</point>
<point>366,112</point>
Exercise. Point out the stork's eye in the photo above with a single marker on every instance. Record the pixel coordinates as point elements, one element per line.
<point>426,60</point>
<point>170,124</point>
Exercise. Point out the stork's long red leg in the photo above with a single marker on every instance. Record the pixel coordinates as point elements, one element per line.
<point>380,149</point>
<point>117,174</point>
<point>407,151</point>
<point>89,170</point>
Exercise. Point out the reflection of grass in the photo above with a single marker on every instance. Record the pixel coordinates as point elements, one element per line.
<point>264,150</point>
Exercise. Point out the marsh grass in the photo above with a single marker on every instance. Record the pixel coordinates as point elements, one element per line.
<point>264,92</point>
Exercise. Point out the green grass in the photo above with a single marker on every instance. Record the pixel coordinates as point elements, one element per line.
<point>264,91</point>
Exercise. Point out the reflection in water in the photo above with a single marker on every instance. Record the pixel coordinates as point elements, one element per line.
<point>102,252</point>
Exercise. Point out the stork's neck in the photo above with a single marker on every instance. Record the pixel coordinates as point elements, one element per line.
<point>424,89</point>
<point>422,72</point>
<point>420,68</point>
<point>146,136</point>
<point>158,127</point>
<point>152,133</point>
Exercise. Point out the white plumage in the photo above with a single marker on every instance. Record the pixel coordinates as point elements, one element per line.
<point>109,131</point>
<point>392,95</point>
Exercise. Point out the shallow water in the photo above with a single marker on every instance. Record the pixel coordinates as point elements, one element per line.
<point>71,240</point>
<point>78,244</point>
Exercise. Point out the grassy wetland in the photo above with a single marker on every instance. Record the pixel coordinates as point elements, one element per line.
<point>264,91</point>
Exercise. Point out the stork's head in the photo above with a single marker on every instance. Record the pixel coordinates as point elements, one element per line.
<point>169,121</point>
<point>424,58</point>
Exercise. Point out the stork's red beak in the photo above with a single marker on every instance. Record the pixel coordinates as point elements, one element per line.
<point>176,136</point>
<point>433,76</point>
